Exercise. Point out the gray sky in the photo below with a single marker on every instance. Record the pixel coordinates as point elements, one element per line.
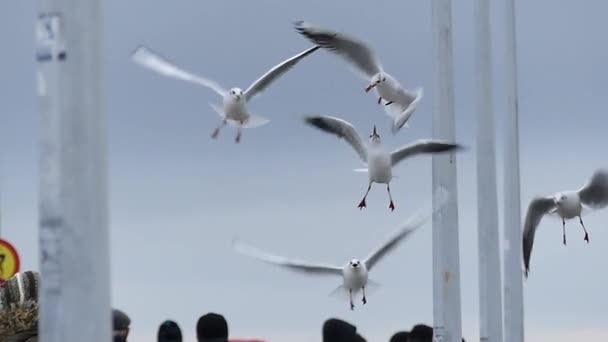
<point>178,197</point>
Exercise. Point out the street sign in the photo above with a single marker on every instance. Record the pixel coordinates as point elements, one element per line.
<point>9,261</point>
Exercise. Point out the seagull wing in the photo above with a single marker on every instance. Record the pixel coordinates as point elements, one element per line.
<point>292,264</point>
<point>277,71</point>
<point>153,61</point>
<point>354,51</point>
<point>594,194</point>
<point>409,226</point>
<point>420,147</point>
<point>536,210</point>
<point>340,128</point>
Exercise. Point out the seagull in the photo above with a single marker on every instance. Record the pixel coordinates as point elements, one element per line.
<point>380,162</point>
<point>354,273</point>
<point>234,111</point>
<point>400,103</point>
<point>568,205</point>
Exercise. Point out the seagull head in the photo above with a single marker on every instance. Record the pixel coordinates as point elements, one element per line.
<point>236,93</point>
<point>560,198</point>
<point>374,137</point>
<point>377,79</point>
<point>354,264</point>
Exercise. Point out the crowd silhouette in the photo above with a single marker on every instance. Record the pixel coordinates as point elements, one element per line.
<point>19,321</point>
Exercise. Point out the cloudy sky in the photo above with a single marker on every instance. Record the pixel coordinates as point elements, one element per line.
<point>177,198</point>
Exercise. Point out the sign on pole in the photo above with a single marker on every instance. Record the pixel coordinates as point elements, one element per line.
<point>9,261</point>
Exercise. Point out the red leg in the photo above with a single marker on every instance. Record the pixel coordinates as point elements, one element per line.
<point>364,299</point>
<point>391,206</point>
<point>352,305</point>
<point>564,229</point>
<point>216,132</point>
<point>362,204</point>
<point>585,229</point>
<point>379,100</point>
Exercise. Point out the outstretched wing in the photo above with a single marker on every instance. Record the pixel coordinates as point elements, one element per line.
<point>153,61</point>
<point>594,194</point>
<point>351,49</point>
<point>292,264</point>
<point>340,128</point>
<point>277,71</point>
<point>536,210</point>
<point>406,229</point>
<point>420,147</point>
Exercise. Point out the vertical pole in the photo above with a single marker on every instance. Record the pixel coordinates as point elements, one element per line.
<point>73,224</point>
<point>446,254</point>
<point>490,289</point>
<point>513,286</point>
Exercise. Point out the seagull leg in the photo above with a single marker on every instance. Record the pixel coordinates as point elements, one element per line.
<point>364,299</point>
<point>350,293</point>
<point>238,135</point>
<point>379,100</point>
<point>216,132</point>
<point>585,229</point>
<point>388,103</point>
<point>362,204</point>
<point>564,229</point>
<point>391,206</point>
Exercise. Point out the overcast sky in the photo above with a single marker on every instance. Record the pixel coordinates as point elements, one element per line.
<point>177,197</point>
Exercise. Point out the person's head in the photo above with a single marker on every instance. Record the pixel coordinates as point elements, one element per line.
<point>120,325</point>
<point>169,331</point>
<point>337,330</point>
<point>211,327</point>
<point>401,336</point>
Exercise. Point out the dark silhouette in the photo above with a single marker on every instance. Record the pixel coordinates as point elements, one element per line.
<point>337,330</point>
<point>169,331</point>
<point>401,336</point>
<point>120,325</point>
<point>212,327</point>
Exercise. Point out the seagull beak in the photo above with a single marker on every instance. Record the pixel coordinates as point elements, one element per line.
<point>369,87</point>
<point>374,133</point>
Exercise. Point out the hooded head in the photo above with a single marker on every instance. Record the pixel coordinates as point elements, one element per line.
<point>336,330</point>
<point>212,327</point>
<point>169,331</point>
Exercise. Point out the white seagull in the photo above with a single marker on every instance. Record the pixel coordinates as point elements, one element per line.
<point>400,103</point>
<point>355,273</point>
<point>568,205</point>
<point>234,111</point>
<point>380,163</point>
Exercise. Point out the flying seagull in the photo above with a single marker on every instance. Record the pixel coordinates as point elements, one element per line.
<point>380,163</point>
<point>566,204</point>
<point>400,103</point>
<point>355,273</point>
<point>235,100</point>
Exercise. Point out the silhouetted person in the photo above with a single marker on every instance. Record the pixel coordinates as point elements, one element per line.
<point>212,327</point>
<point>401,336</point>
<point>169,331</point>
<point>422,333</point>
<point>120,325</point>
<point>337,330</point>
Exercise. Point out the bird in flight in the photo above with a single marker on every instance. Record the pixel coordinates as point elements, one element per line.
<point>379,162</point>
<point>567,205</point>
<point>235,109</point>
<point>400,103</point>
<point>354,273</point>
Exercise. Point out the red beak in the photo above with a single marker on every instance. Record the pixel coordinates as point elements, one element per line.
<point>369,87</point>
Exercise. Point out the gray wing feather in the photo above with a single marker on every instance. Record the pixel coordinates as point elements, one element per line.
<point>153,61</point>
<point>537,208</point>
<point>340,128</point>
<point>420,147</point>
<point>277,71</point>
<point>292,264</point>
<point>594,194</point>
<point>351,49</point>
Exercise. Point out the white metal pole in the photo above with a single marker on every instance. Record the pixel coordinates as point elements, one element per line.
<point>513,286</point>
<point>74,241</point>
<point>490,285</point>
<point>446,254</point>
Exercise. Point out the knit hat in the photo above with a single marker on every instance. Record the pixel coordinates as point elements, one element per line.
<point>337,330</point>
<point>401,336</point>
<point>211,326</point>
<point>120,320</point>
<point>19,305</point>
<point>169,331</point>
